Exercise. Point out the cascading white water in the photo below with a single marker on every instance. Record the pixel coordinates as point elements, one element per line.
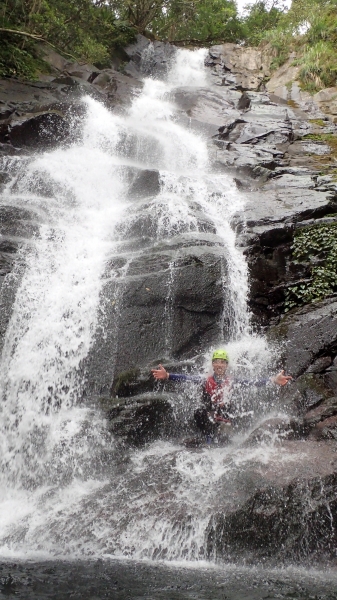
<point>55,312</point>
<point>63,490</point>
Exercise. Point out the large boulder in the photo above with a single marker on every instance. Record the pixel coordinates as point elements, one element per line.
<point>292,523</point>
<point>165,302</point>
<point>280,79</point>
<point>148,58</point>
<point>44,130</point>
<point>308,333</point>
<point>240,67</point>
<point>205,109</point>
<point>307,339</point>
<point>327,101</point>
<point>140,419</point>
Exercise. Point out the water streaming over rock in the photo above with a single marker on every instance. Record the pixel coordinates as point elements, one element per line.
<point>67,487</point>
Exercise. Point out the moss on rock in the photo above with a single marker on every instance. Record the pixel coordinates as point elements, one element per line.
<point>121,384</point>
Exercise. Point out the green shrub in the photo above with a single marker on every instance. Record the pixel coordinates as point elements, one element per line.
<point>310,28</point>
<point>318,66</point>
<point>19,62</point>
<point>281,41</point>
<point>318,245</point>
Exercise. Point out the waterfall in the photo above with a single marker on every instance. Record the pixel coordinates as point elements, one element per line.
<point>68,489</point>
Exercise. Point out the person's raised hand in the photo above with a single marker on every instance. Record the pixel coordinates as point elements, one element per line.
<point>160,373</point>
<point>281,378</point>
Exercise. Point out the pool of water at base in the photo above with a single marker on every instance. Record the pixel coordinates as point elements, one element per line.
<point>130,580</point>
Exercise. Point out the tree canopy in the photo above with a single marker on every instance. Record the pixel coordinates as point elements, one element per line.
<point>309,28</point>
<point>199,22</point>
<point>83,29</point>
<point>91,29</point>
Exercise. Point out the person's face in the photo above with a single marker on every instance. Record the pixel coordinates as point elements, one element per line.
<point>219,367</point>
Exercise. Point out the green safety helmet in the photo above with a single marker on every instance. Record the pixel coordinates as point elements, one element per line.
<point>220,354</point>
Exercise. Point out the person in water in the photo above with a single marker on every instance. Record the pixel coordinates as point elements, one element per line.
<point>214,415</point>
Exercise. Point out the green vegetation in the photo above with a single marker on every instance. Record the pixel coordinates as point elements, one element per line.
<point>310,29</point>
<point>124,380</point>
<point>328,138</point>
<point>199,22</point>
<point>327,161</point>
<point>262,16</point>
<point>90,30</point>
<point>80,29</point>
<point>316,248</point>
<point>318,122</point>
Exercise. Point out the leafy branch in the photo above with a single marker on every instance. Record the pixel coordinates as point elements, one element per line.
<point>315,248</point>
<point>24,33</point>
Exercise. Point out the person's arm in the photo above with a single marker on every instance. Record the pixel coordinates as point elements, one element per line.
<point>279,379</point>
<point>161,374</point>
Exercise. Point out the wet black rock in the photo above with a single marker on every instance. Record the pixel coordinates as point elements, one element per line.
<point>330,376</point>
<point>140,419</point>
<point>97,579</point>
<point>145,183</point>
<point>291,523</point>
<point>327,408</point>
<point>188,284</point>
<point>118,88</point>
<point>45,130</point>
<point>275,430</point>
<point>325,429</point>
<point>148,58</point>
<point>308,333</point>
<point>320,365</point>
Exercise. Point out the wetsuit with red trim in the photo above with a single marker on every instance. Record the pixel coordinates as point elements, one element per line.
<point>214,398</point>
<point>216,408</point>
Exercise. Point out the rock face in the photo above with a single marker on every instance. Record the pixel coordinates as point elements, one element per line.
<point>142,419</point>
<point>327,102</point>
<point>291,524</point>
<point>148,58</point>
<point>286,193</point>
<point>43,114</point>
<point>142,302</point>
<point>312,334</point>
<point>246,68</point>
<point>261,142</point>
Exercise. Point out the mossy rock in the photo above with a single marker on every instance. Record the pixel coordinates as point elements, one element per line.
<point>124,382</point>
<point>312,388</point>
<point>141,419</point>
<point>278,333</point>
<point>303,394</point>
